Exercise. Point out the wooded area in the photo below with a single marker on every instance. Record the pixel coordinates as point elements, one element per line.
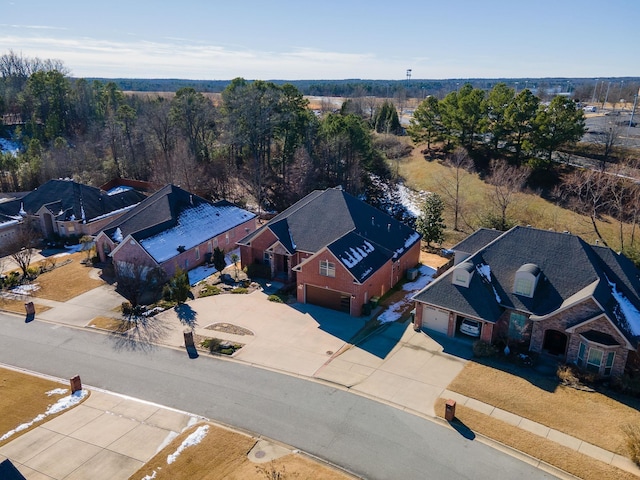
<point>258,143</point>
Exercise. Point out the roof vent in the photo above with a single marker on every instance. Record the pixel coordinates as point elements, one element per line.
<point>388,227</point>
<point>372,221</point>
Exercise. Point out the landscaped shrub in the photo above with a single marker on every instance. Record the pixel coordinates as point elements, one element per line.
<point>627,384</point>
<point>572,376</point>
<point>258,270</point>
<point>275,298</point>
<point>632,441</point>
<point>209,290</point>
<point>240,290</point>
<point>211,344</point>
<point>127,309</point>
<point>33,272</point>
<point>483,349</point>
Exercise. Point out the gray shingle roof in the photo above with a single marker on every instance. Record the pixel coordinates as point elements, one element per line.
<point>568,266</point>
<point>332,218</point>
<point>67,199</point>
<point>161,211</point>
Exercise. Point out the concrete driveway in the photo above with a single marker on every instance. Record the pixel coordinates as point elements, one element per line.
<point>395,364</point>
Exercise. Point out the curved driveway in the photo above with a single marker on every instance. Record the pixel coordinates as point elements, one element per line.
<point>368,438</point>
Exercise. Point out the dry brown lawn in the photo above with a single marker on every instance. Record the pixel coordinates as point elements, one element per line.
<point>111,324</point>
<point>528,209</point>
<point>549,452</point>
<point>67,281</point>
<point>589,416</point>
<point>222,454</point>
<point>22,398</point>
<point>17,306</point>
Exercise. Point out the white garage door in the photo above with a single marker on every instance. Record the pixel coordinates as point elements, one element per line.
<point>435,319</point>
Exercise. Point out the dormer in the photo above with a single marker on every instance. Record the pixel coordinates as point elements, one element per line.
<point>462,274</point>
<point>526,280</point>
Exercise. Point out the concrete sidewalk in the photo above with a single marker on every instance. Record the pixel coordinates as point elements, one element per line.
<point>107,436</point>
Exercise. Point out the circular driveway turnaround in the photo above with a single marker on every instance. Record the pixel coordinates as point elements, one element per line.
<point>370,439</point>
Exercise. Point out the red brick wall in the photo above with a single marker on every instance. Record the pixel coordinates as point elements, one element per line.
<point>101,242</point>
<point>255,253</point>
<point>376,285</point>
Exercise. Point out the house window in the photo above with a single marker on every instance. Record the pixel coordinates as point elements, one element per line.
<point>327,268</point>
<point>517,323</point>
<point>215,242</point>
<point>266,258</point>
<point>209,247</point>
<point>197,251</point>
<point>582,350</point>
<point>608,365</point>
<point>594,360</point>
<point>226,238</point>
<point>71,229</point>
<point>524,287</point>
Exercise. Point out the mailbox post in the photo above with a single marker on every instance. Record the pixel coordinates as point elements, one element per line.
<point>450,410</point>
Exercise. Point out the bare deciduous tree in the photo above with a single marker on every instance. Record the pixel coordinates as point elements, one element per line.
<point>22,246</point>
<point>590,193</point>
<point>507,181</point>
<point>452,183</point>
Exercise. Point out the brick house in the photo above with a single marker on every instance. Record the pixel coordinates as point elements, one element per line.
<point>66,208</point>
<point>545,291</point>
<point>339,251</point>
<point>172,228</point>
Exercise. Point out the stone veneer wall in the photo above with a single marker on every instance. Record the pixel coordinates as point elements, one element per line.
<point>561,322</point>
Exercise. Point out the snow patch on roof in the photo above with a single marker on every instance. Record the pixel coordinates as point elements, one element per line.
<point>117,190</point>
<point>485,272</point>
<point>354,255</point>
<point>628,314</point>
<point>119,210</point>
<point>195,225</point>
<point>117,235</point>
<point>193,439</point>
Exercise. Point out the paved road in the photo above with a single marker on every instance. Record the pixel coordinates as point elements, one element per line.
<point>370,439</point>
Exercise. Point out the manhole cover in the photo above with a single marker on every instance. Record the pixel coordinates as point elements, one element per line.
<point>260,454</point>
<point>329,352</point>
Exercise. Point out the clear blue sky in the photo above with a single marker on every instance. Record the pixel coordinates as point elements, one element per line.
<point>327,39</point>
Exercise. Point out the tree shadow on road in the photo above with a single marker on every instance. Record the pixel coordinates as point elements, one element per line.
<point>143,335</point>
<point>186,315</point>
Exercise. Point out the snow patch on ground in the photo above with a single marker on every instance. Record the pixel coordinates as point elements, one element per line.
<point>56,391</point>
<point>27,289</point>
<point>9,146</point>
<point>204,271</point>
<point>150,477</point>
<point>410,199</point>
<point>62,404</point>
<point>394,311</point>
<point>193,439</point>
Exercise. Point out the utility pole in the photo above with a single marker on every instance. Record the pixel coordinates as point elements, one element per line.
<point>595,89</point>
<point>606,95</point>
